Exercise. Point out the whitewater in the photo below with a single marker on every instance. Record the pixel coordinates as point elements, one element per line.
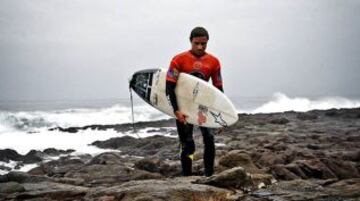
<point>28,129</point>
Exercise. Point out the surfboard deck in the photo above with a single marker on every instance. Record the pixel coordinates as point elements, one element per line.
<point>204,104</point>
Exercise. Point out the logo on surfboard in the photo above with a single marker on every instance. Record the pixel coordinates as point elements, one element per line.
<point>218,119</point>
<point>202,113</point>
<point>196,91</point>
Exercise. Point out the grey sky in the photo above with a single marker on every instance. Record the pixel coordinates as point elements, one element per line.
<point>87,49</point>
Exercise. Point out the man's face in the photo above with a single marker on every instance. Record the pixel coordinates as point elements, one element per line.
<point>198,45</point>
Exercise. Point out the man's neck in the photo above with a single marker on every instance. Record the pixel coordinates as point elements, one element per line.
<point>197,56</point>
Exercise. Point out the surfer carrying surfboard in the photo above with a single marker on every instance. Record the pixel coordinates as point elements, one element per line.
<point>201,64</point>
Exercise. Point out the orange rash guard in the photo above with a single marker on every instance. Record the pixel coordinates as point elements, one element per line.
<point>203,67</point>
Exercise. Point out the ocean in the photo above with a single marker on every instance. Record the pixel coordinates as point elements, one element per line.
<point>24,126</point>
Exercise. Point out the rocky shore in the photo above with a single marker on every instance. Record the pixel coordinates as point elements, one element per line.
<point>280,156</point>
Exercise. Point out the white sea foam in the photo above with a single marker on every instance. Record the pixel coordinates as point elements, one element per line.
<point>35,120</point>
<point>281,103</point>
<point>23,142</point>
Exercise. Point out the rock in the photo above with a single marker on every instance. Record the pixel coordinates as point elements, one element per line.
<point>51,191</point>
<point>276,146</point>
<point>239,159</point>
<point>8,154</point>
<point>351,155</point>
<point>294,168</point>
<point>22,177</point>
<point>342,169</point>
<point>149,164</point>
<point>5,168</point>
<point>179,189</point>
<point>33,157</point>
<point>280,172</point>
<point>311,190</point>
<point>116,143</point>
<point>108,175</point>
<point>314,168</point>
<point>56,152</point>
<point>307,116</point>
<point>269,158</point>
<point>233,178</point>
<point>57,168</point>
<point>11,187</point>
<point>348,188</point>
<point>280,121</point>
<point>295,190</point>
<point>160,146</point>
<point>107,158</point>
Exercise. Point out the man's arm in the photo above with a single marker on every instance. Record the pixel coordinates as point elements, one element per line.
<point>217,79</point>
<point>170,94</point>
<point>171,79</point>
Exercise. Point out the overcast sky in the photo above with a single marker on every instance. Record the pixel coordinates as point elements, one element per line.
<point>87,49</point>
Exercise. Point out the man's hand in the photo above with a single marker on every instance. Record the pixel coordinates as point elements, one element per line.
<point>181,117</point>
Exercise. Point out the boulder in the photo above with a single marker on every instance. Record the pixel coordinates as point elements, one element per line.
<point>280,172</point>
<point>238,158</point>
<point>8,154</point>
<point>179,189</point>
<point>314,168</point>
<point>33,157</point>
<point>11,187</point>
<point>233,178</point>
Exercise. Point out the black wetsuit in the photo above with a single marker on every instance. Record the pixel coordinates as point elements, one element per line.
<point>185,132</point>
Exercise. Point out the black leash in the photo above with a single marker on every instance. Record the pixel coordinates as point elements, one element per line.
<point>132,112</point>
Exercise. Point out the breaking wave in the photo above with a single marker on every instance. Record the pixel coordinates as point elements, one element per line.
<point>33,120</point>
<point>117,114</point>
<point>281,103</point>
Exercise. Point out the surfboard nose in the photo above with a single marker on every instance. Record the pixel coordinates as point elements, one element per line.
<point>132,80</point>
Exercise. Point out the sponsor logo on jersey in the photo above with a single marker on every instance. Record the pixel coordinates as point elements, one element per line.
<point>173,73</point>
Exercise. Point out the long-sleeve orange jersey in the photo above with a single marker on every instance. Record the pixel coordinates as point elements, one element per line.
<point>204,67</point>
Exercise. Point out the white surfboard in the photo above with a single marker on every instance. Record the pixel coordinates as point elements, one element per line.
<point>204,104</point>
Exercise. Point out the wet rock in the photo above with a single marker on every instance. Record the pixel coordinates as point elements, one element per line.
<point>348,188</point>
<point>315,169</point>
<point>294,168</point>
<point>307,116</point>
<point>51,191</point>
<point>57,168</point>
<point>21,177</point>
<point>351,155</point>
<point>108,175</point>
<point>179,189</point>
<point>11,187</point>
<point>270,158</point>
<point>160,146</point>
<point>33,157</point>
<point>149,164</point>
<point>342,169</point>
<point>280,172</point>
<point>280,121</point>
<point>116,143</point>
<point>233,178</point>
<point>239,159</point>
<point>8,154</point>
<point>107,158</point>
<point>56,152</point>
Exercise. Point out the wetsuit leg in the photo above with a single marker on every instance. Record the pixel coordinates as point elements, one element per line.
<point>185,132</point>
<point>209,150</point>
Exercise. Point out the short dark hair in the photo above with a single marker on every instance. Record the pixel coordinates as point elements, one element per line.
<point>199,32</point>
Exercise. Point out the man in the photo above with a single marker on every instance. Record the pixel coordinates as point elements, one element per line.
<point>205,66</point>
